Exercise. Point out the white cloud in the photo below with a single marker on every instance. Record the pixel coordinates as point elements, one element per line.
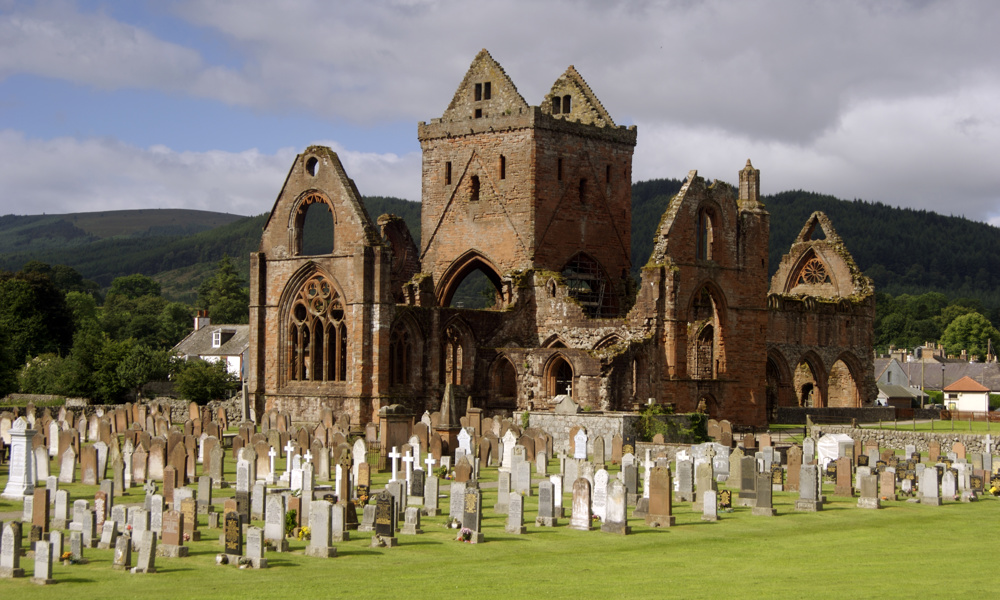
<point>69,175</point>
<point>891,100</point>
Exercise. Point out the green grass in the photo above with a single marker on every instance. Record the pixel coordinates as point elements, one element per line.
<point>840,552</point>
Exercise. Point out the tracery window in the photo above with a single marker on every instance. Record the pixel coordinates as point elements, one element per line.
<point>317,349</point>
<point>814,272</point>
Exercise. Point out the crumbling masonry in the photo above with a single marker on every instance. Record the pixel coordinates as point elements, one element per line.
<point>538,199</point>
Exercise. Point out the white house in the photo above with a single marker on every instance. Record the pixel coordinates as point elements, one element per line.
<point>213,343</point>
<point>967,394</point>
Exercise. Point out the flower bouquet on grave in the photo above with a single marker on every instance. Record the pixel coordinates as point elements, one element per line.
<point>187,537</point>
<point>245,563</point>
<point>453,524</point>
<point>380,541</point>
<point>464,535</point>
<point>304,533</point>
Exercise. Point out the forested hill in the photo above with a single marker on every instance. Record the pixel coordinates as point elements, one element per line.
<point>903,250</point>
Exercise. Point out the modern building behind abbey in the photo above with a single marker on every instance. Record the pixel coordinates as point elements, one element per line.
<point>538,199</point>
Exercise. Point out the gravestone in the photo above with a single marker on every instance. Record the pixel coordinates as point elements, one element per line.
<point>581,515</point>
<point>411,521</point>
<point>809,494</point>
<point>432,496</point>
<point>172,540</point>
<point>320,530</point>
<point>385,520</point>
<point>705,482</point>
<point>929,492</point>
<point>887,484</point>
<point>580,446</point>
<point>599,500</point>
<point>762,503</point>
<point>748,482</point>
<point>685,480</point>
<point>367,518</point>
<point>659,512</point>
<point>546,507</point>
<point>21,468</point>
<point>845,484</point>
<point>123,554</point>
<point>343,517</point>
<point>274,522</point>
<point>710,510</point>
<point>515,515</point>
<point>10,549</point>
<point>869,491</point>
<point>456,500</point>
<point>109,536</point>
<point>794,455</point>
<point>503,493</point>
<point>43,564</point>
<point>233,535</point>
<point>472,514</point>
<point>616,518</point>
<point>557,496</point>
<point>599,451</point>
<point>146,563</point>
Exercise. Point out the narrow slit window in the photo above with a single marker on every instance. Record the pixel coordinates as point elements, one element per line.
<point>479,92</point>
<point>607,174</point>
<point>479,113</point>
<point>447,173</point>
<point>503,167</point>
<point>474,196</point>
<point>559,170</point>
<point>487,91</point>
<point>583,191</point>
<point>567,104</point>
<point>556,104</point>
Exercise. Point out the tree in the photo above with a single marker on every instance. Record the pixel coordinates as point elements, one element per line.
<point>134,286</point>
<point>142,365</point>
<point>34,315</point>
<point>224,295</point>
<point>201,381</point>
<point>972,332</point>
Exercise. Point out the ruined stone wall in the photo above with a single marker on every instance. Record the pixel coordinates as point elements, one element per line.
<point>604,424</point>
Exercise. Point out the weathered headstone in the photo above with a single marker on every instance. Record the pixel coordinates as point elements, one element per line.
<point>546,513</point>
<point>515,515</point>
<point>616,516</point>
<point>660,510</point>
<point>385,520</point>
<point>762,506</point>
<point>320,530</point>
<point>146,562</point>
<point>869,491</point>
<point>809,496</point>
<point>472,514</point>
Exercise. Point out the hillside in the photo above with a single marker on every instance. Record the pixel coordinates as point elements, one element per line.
<point>37,232</point>
<point>903,250</point>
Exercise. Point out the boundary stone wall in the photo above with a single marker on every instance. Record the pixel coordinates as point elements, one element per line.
<point>889,438</point>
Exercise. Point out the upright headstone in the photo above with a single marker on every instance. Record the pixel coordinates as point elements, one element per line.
<point>320,530</point>
<point>472,514</point>
<point>233,535</point>
<point>929,492</point>
<point>546,513</point>
<point>515,515</point>
<point>274,522</point>
<point>146,563</point>
<point>616,517</point>
<point>869,491</point>
<point>10,549</point>
<point>660,510</point>
<point>385,520</point>
<point>809,496</point>
<point>599,500</point>
<point>21,468</point>
<point>763,506</point>
<point>123,554</point>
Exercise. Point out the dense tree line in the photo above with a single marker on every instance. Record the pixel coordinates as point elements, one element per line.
<point>59,336</point>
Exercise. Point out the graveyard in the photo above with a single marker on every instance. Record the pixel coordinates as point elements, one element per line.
<point>665,523</point>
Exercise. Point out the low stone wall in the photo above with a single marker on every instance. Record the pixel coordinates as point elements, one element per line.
<point>795,415</point>
<point>604,424</point>
<point>889,438</point>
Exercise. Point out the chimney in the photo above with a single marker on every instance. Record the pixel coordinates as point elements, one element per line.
<point>201,320</point>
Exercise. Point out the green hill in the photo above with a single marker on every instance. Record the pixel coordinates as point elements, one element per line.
<point>903,250</point>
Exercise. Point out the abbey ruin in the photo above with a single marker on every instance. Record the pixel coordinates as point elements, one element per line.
<point>538,199</point>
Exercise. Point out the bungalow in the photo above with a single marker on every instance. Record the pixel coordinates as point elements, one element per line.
<point>967,394</point>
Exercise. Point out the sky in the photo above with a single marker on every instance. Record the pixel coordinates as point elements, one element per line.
<point>204,104</point>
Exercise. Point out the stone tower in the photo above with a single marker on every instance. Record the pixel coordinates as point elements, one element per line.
<point>511,187</point>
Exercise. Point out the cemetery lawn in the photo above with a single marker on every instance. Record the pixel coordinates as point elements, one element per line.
<point>902,550</point>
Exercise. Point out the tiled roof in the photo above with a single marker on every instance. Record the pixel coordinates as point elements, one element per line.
<point>966,384</point>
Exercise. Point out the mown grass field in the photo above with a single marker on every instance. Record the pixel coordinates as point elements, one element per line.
<point>900,551</point>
